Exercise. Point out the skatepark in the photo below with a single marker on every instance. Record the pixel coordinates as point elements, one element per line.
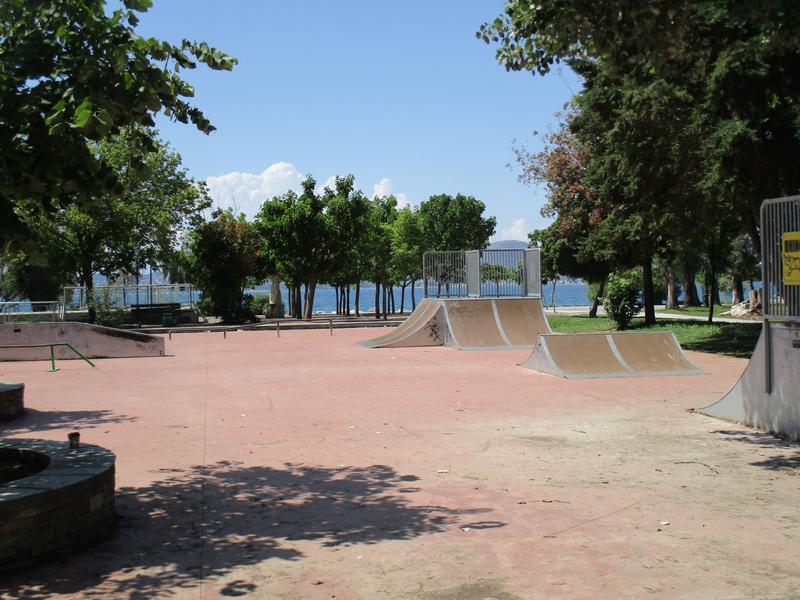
<point>308,466</point>
<point>469,453</point>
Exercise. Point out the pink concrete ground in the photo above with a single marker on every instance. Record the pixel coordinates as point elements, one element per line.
<point>310,467</point>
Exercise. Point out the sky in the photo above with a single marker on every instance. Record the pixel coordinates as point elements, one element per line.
<point>400,94</point>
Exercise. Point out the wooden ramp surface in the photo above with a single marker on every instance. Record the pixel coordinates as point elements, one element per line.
<point>421,328</point>
<point>596,355</point>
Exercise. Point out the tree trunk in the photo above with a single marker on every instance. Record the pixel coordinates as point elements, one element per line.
<point>597,299</point>
<point>671,285</point>
<point>754,233</point>
<point>737,292</point>
<point>690,297</point>
<point>358,298</point>
<point>413,297</point>
<point>336,294</point>
<point>385,302</point>
<point>88,282</point>
<point>377,300</point>
<point>648,294</point>
<point>311,289</point>
<point>553,295</point>
<point>712,290</point>
<point>391,298</point>
<point>347,294</point>
<point>403,297</point>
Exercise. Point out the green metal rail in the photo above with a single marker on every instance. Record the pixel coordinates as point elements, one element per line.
<point>52,346</point>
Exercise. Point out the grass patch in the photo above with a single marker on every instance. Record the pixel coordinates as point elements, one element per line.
<point>730,339</point>
<point>696,311</point>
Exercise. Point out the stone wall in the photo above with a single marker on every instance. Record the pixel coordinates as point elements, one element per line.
<point>11,400</point>
<point>58,510</point>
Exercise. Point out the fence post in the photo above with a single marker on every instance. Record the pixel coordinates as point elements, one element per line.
<point>52,359</point>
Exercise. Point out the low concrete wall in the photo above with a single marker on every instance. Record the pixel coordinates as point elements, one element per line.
<point>93,341</point>
<point>59,509</point>
<point>11,400</point>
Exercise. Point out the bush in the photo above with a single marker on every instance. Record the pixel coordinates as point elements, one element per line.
<point>260,303</point>
<point>107,313</point>
<point>621,300</point>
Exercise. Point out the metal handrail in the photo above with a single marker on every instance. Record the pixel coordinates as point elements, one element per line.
<point>52,346</point>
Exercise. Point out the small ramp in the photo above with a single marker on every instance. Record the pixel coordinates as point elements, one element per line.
<point>423,327</point>
<point>598,355</point>
<point>769,402</point>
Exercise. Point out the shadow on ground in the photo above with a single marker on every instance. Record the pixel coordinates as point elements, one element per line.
<point>36,421</point>
<point>205,522</point>
<point>789,460</point>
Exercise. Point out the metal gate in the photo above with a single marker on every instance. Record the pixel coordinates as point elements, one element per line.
<point>780,254</point>
<point>482,273</point>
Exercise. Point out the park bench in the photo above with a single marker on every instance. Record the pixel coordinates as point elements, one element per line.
<point>158,313</point>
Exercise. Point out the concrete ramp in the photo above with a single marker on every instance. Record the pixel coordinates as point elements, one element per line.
<point>595,355</point>
<point>750,402</point>
<point>93,341</point>
<point>424,327</point>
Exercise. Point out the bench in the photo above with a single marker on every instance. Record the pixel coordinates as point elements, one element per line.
<point>155,314</point>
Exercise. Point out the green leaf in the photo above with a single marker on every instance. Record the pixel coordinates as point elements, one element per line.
<point>83,114</point>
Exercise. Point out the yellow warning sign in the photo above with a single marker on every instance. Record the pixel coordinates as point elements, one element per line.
<point>790,255</point>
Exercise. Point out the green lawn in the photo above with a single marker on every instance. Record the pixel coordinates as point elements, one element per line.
<point>699,311</point>
<point>731,339</point>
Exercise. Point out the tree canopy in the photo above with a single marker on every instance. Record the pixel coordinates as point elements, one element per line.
<point>75,72</point>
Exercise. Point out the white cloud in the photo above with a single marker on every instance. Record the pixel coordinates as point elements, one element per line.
<point>384,188</point>
<point>330,182</point>
<point>246,192</point>
<point>518,230</point>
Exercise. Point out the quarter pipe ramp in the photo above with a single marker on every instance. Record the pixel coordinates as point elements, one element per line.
<point>469,324</point>
<point>767,395</point>
<point>595,355</point>
<point>424,327</point>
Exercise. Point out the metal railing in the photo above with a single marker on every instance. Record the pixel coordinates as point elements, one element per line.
<point>121,296</point>
<point>780,254</point>
<point>31,312</point>
<point>482,273</point>
<point>444,274</point>
<point>52,346</point>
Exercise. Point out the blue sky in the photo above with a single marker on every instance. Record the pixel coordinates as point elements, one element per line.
<point>402,95</point>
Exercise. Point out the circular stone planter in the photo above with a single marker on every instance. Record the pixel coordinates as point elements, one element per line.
<point>11,403</point>
<point>53,500</point>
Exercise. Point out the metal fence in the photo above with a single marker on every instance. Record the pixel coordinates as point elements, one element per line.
<point>121,296</point>
<point>780,252</point>
<point>444,274</point>
<point>482,273</point>
<point>31,312</point>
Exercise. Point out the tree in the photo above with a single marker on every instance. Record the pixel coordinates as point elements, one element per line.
<point>455,223</point>
<point>568,245</point>
<point>72,72</point>
<point>407,250</point>
<point>348,212</point>
<point>737,60</point>
<point>122,231</point>
<point>31,277</point>
<point>227,255</point>
<point>383,214</point>
<point>297,234</point>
